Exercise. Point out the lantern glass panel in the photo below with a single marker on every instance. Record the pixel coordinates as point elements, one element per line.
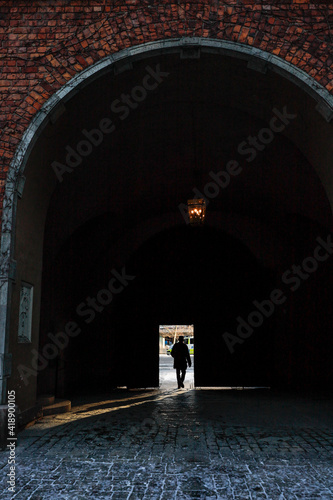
<point>196,211</point>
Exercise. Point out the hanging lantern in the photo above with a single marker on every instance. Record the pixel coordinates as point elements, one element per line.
<point>196,211</point>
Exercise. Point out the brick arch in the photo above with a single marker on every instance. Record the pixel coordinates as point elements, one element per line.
<point>46,44</point>
<point>260,59</point>
<point>40,112</point>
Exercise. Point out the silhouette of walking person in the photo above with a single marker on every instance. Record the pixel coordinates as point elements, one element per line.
<point>181,357</point>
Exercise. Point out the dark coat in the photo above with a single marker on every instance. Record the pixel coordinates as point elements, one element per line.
<point>180,355</point>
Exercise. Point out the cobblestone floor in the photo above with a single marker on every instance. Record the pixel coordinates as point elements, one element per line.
<point>179,444</point>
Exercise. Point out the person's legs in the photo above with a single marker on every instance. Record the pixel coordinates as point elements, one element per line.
<point>183,377</point>
<point>178,378</point>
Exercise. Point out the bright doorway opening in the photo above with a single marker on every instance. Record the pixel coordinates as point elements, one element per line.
<point>168,336</point>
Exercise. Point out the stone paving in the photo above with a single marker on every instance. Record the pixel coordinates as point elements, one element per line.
<point>179,444</point>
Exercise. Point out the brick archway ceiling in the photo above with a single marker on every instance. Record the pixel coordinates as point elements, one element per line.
<point>168,146</point>
<point>45,44</point>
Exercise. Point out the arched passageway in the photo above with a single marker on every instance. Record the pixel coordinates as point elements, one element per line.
<point>197,275</point>
<point>101,196</point>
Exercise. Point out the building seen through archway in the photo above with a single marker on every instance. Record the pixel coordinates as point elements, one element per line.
<point>169,335</point>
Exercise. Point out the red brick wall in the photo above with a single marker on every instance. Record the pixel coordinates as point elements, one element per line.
<point>45,43</point>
